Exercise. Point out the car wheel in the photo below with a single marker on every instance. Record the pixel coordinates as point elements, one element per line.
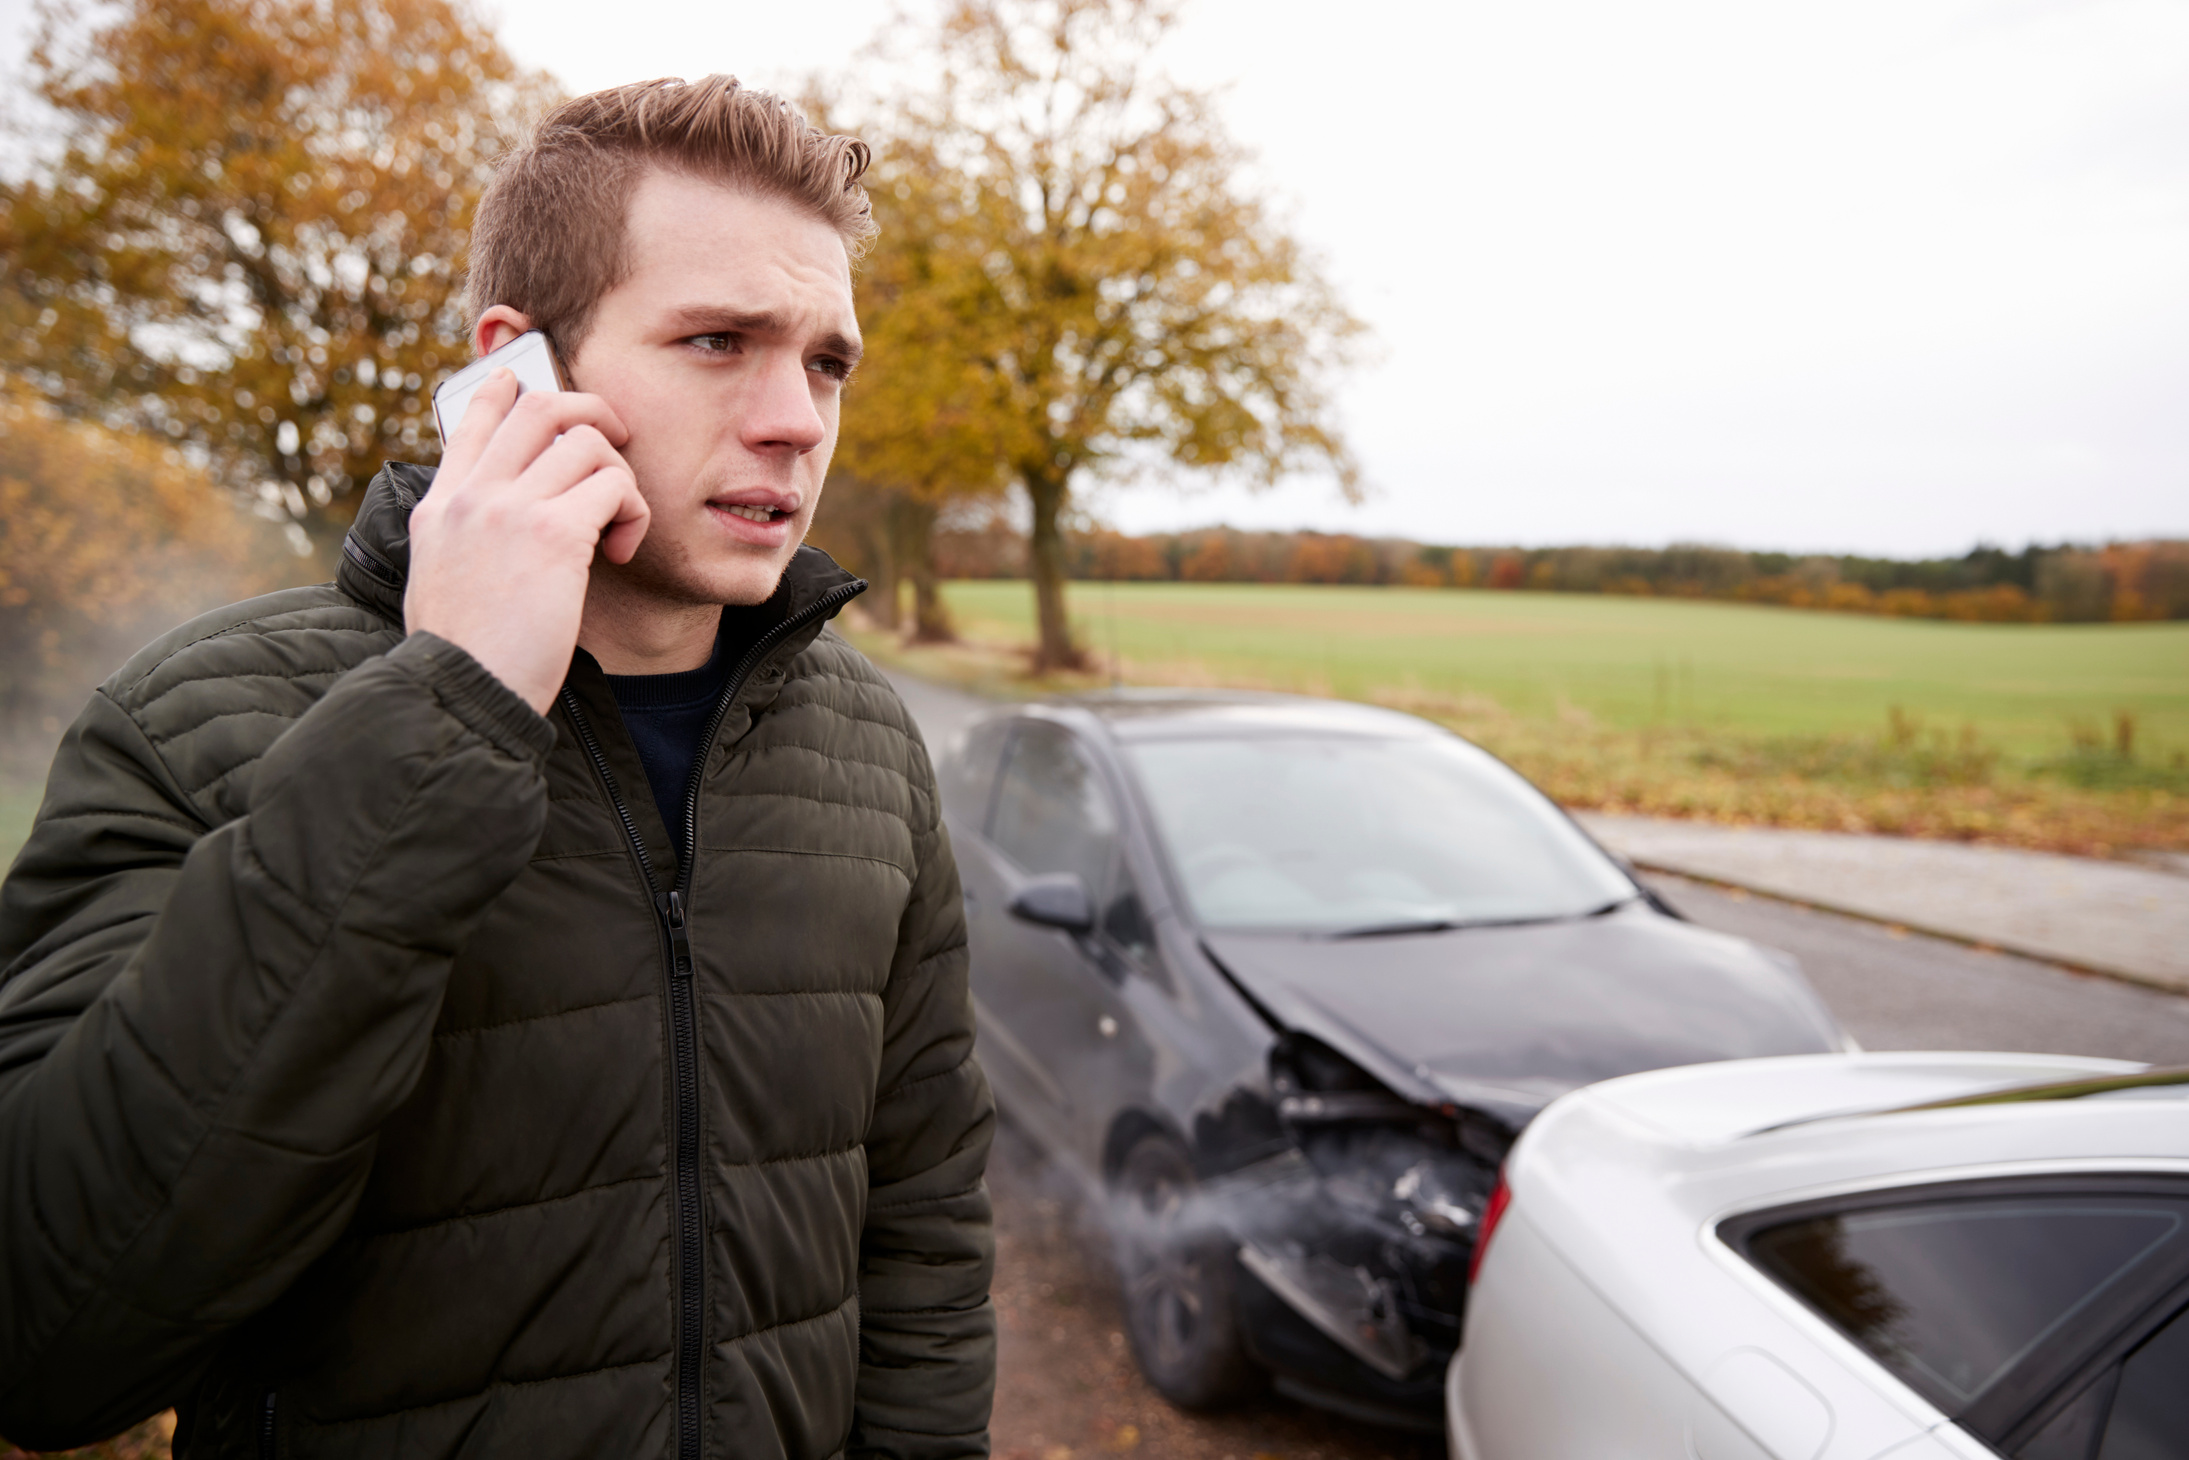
<point>1179,1275</point>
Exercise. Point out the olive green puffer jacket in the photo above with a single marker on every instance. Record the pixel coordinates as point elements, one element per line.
<point>374,1081</point>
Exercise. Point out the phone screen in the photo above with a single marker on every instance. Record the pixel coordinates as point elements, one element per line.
<point>530,356</point>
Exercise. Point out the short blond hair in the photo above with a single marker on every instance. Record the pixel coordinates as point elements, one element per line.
<point>550,237</point>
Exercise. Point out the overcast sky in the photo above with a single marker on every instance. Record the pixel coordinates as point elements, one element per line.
<point>1873,275</point>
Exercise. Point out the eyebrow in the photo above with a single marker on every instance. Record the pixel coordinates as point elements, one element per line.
<point>712,319</point>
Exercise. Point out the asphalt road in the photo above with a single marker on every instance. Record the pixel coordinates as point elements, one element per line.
<point>1900,990</point>
<point>1067,1387</point>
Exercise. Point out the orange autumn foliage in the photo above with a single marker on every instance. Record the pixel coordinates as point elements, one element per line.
<point>248,233</point>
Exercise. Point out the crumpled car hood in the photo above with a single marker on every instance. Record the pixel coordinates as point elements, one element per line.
<point>1508,1019</point>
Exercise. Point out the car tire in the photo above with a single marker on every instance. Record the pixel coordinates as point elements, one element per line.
<point>1179,1275</point>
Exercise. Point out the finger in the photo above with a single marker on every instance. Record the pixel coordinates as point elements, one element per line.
<point>531,425</point>
<point>576,455</point>
<point>608,504</point>
<point>490,403</point>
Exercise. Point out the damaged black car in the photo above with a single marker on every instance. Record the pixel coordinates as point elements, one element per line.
<point>1281,980</point>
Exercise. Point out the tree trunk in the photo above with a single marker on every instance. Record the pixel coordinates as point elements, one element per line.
<point>876,517</point>
<point>1045,562</point>
<point>912,522</point>
<point>855,525</point>
<point>880,599</point>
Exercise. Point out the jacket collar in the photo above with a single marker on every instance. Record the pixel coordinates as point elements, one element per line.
<point>376,550</point>
<point>376,554</point>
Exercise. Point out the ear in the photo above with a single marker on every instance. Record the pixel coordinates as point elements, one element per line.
<point>497,327</point>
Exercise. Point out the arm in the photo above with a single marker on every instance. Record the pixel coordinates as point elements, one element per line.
<point>201,1032</point>
<point>927,1337</point>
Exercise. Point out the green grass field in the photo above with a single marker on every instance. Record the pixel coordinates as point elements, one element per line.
<point>2012,734</point>
<point>1634,662</point>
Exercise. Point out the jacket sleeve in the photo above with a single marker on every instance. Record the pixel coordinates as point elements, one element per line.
<point>927,1338</point>
<point>201,1031</point>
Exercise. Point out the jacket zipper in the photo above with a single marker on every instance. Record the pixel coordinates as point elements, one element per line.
<point>266,1449</point>
<point>673,909</point>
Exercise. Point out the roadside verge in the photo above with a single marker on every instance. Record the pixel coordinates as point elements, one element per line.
<point>2126,921</point>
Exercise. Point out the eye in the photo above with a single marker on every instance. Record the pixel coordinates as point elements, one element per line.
<point>838,370</point>
<point>719,342</point>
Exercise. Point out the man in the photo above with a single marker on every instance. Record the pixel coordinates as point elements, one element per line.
<point>512,1001</point>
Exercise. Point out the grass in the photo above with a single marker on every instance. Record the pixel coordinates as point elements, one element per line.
<point>2069,737</point>
<point>1634,662</point>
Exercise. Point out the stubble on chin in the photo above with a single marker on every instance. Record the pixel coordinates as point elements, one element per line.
<point>673,574</point>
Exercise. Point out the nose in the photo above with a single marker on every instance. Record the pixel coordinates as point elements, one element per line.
<point>781,416</point>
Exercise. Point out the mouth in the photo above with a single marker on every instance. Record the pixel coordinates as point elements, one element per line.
<point>764,524</point>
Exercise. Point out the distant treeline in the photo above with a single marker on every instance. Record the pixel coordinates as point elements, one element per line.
<point>2066,583</point>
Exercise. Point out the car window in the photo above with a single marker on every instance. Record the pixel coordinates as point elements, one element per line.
<point>1948,1294</point>
<point>2150,1418</point>
<point>968,773</point>
<point>1052,813</point>
<point>1333,833</point>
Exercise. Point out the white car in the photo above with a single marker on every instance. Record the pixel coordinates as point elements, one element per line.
<point>1838,1257</point>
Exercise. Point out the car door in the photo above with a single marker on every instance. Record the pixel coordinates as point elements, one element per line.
<point>1124,982</point>
<point>1056,996</point>
<point>968,780</point>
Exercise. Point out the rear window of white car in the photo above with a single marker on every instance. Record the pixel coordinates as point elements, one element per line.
<point>1950,1294</point>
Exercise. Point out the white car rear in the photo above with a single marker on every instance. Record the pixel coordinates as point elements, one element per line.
<point>1734,1261</point>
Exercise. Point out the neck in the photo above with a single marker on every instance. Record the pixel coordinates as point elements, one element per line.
<point>635,633</point>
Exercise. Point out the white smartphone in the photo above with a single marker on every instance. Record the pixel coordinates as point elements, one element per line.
<point>531,356</point>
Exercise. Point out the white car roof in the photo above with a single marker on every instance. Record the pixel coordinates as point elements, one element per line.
<point>1682,1148</point>
<point>1744,1133</point>
<point>1704,1105</point>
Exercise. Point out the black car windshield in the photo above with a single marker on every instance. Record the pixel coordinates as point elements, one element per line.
<point>1352,834</point>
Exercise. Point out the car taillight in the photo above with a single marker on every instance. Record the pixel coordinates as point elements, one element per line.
<point>1500,1199</point>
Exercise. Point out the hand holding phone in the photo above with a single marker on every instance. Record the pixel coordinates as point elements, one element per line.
<point>530,486</point>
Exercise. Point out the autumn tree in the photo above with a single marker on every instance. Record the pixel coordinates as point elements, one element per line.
<point>885,531</point>
<point>926,421</point>
<point>246,234</point>
<point>1132,308</point>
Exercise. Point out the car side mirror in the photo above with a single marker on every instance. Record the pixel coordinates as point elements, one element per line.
<point>1055,900</point>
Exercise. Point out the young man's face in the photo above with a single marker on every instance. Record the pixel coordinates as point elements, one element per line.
<point>725,353</point>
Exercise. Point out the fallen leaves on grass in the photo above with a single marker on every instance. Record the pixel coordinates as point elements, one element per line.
<point>1711,776</point>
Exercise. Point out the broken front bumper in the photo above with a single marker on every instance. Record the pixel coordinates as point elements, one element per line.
<point>1347,1289</point>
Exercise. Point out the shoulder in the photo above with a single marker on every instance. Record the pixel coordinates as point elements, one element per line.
<point>298,631</point>
<point>290,633</point>
<point>211,695</point>
<point>847,681</point>
<point>836,705</point>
